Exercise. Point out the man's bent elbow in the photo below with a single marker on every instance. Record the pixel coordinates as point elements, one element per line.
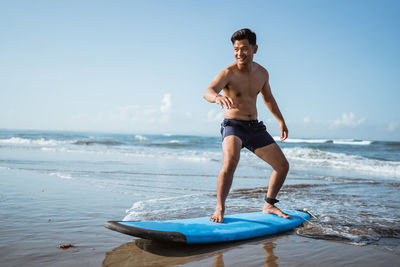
<point>206,96</point>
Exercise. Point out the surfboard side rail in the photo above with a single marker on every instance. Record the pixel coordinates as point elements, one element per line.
<point>146,233</point>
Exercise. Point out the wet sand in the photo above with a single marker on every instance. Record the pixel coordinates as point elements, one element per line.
<point>287,249</point>
<point>38,212</point>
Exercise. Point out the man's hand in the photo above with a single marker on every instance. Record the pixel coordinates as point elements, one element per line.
<point>284,130</point>
<point>224,101</point>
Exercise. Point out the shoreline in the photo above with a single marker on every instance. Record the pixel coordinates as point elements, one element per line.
<point>287,249</point>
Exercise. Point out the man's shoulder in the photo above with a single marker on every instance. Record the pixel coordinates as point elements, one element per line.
<point>260,68</point>
<point>231,68</point>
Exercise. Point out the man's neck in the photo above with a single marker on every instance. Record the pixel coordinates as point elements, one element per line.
<point>245,67</point>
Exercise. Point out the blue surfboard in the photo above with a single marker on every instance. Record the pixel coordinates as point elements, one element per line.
<point>202,230</point>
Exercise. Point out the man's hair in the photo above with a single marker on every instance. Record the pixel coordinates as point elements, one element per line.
<point>244,34</point>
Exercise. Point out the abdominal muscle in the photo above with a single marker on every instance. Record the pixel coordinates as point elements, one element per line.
<point>244,110</point>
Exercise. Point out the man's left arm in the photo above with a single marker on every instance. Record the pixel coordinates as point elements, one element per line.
<point>270,102</point>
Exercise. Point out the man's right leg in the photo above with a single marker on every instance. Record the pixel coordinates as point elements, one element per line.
<point>231,151</point>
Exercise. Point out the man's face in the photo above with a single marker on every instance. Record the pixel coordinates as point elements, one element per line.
<point>243,51</point>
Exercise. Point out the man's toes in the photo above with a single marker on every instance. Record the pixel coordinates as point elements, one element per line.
<point>216,219</point>
<point>284,215</point>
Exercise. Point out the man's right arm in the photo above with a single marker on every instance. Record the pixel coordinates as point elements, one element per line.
<point>212,92</point>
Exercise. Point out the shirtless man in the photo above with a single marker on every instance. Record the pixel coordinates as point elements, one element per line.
<point>241,82</point>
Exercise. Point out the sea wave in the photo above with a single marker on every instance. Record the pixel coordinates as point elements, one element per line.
<point>160,208</point>
<point>147,152</point>
<point>300,140</point>
<point>28,141</point>
<point>319,154</point>
<point>61,175</point>
<point>299,158</point>
<point>307,157</point>
<point>140,138</point>
<point>324,141</point>
<point>89,142</point>
<point>352,142</point>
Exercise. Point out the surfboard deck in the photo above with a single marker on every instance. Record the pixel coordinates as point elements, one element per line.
<point>202,230</point>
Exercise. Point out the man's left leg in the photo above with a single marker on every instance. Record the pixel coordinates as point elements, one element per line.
<point>274,156</point>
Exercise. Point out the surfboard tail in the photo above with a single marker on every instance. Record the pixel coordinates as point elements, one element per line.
<point>146,233</point>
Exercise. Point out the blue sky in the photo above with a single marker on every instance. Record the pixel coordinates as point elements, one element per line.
<point>142,66</point>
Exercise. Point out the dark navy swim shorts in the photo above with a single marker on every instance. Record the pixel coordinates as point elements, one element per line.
<point>253,133</point>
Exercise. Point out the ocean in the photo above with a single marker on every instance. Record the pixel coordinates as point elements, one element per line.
<point>350,186</point>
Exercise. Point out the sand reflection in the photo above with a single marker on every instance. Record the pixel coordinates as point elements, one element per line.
<point>270,257</point>
<point>142,252</point>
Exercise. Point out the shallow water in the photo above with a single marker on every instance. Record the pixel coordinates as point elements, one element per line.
<point>283,250</point>
<point>351,186</point>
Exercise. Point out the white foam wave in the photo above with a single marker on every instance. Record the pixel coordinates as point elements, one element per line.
<point>59,149</point>
<point>302,158</point>
<point>153,209</point>
<point>352,142</point>
<point>309,158</point>
<point>174,142</point>
<point>143,153</point>
<point>140,138</point>
<point>61,175</point>
<point>322,141</point>
<point>300,140</point>
<point>26,141</point>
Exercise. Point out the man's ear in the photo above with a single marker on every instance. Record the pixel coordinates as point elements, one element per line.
<point>255,49</point>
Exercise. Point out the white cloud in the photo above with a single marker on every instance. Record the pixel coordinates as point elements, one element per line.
<point>126,112</point>
<point>166,103</point>
<point>165,107</point>
<point>306,119</point>
<point>149,111</point>
<point>214,115</point>
<point>392,126</point>
<point>145,117</point>
<point>348,120</point>
<point>138,114</point>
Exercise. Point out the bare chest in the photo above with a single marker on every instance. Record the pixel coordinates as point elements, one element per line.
<point>245,85</point>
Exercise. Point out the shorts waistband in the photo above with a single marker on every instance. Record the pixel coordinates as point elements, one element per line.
<point>242,121</point>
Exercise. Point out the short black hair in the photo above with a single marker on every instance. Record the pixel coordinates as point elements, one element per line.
<point>244,34</point>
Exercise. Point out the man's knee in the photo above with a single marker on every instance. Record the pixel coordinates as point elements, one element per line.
<point>283,166</point>
<point>230,164</point>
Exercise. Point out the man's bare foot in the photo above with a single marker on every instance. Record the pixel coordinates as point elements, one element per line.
<point>268,208</point>
<point>218,215</point>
